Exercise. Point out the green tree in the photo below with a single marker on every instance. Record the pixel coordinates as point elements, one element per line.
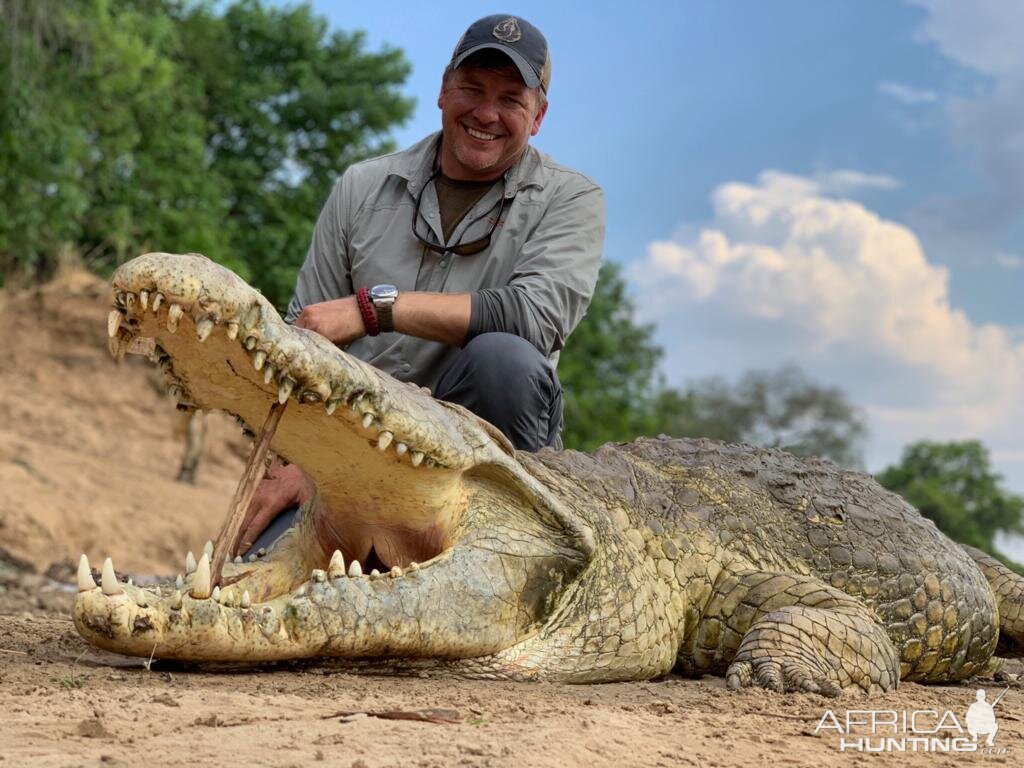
<point>144,169</point>
<point>608,369</point>
<point>953,484</point>
<point>41,147</point>
<point>101,140</point>
<point>775,409</point>
<point>288,106</point>
<point>178,125</point>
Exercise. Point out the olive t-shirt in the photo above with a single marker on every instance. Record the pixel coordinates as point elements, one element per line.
<point>455,198</point>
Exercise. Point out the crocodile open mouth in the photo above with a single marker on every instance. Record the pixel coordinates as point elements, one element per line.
<point>400,551</point>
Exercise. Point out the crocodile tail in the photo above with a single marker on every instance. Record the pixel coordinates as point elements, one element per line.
<point>1008,587</point>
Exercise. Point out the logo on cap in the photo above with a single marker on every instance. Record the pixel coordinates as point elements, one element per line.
<point>508,31</point>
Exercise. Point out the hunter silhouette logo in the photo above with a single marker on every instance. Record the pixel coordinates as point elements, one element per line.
<point>922,730</point>
<point>981,717</point>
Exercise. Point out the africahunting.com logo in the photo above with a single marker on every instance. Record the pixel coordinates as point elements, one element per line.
<point>919,730</point>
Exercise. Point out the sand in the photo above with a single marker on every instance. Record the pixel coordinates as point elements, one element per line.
<point>88,454</point>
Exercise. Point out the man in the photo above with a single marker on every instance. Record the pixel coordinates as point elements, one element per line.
<point>462,263</point>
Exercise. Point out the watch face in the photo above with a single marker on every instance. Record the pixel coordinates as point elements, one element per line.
<point>384,292</point>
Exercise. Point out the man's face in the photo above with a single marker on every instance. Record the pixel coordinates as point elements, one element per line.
<point>488,116</point>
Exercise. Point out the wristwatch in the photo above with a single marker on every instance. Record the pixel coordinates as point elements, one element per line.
<point>383,297</point>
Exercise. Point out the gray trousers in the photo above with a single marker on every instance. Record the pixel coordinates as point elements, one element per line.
<point>500,377</point>
<point>504,379</point>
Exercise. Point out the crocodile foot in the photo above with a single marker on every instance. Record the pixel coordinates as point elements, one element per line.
<point>818,650</point>
<point>782,677</point>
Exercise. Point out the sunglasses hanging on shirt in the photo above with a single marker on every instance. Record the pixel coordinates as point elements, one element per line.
<point>461,248</point>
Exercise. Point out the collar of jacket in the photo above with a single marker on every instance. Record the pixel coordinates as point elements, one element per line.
<point>420,158</point>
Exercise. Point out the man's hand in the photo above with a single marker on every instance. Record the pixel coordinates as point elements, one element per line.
<point>281,487</point>
<point>338,320</point>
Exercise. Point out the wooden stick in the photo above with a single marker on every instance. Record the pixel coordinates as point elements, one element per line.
<point>231,531</point>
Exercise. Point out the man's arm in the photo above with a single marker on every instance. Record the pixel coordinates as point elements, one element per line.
<point>442,317</point>
<point>555,272</point>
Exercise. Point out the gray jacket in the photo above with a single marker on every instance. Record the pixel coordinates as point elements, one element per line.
<point>535,280</point>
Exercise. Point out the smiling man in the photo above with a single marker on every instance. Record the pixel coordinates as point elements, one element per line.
<point>461,264</point>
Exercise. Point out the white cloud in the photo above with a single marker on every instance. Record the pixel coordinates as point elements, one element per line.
<point>907,94</point>
<point>1009,260</point>
<point>787,272</point>
<point>983,34</point>
<point>846,181</point>
<point>986,36</point>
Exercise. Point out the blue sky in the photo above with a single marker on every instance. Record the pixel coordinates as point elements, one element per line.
<point>838,185</point>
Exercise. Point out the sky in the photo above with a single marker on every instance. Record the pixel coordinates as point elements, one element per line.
<point>837,185</point>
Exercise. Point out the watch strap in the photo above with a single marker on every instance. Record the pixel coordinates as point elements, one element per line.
<point>385,315</point>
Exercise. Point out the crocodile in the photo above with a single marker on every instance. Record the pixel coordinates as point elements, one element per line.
<point>432,546</point>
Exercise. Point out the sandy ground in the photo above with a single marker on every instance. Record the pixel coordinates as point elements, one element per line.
<point>88,454</point>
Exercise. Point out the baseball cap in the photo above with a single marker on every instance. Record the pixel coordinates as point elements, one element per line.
<point>517,38</point>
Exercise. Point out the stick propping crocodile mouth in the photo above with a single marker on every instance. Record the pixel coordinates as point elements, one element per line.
<point>408,486</point>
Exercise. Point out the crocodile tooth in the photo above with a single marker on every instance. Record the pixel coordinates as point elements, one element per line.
<point>250,343</point>
<point>414,566</point>
<point>176,600</point>
<point>268,373</point>
<point>85,579</point>
<point>232,330</point>
<point>374,573</point>
<point>237,560</point>
<point>417,458</point>
<point>130,582</point>
<point>252,316</point>
<point>337,565</point>
<point>401,448</point>
<point>318,576</point>
<point>109,580</point>
<point>190,562</point>
<point>396,571</point>
<point>174,314</point>
<point>141,599</point>
<point>216,594</point>
<point>179,581</point>
<point>355,569</point>
<point>129,299</point>
<point>113,322</point>
<point>158,299</point>
<point>258,359</point>
<point>367,420</point>
<point>203,329</point>
<point>144,299</point>
<point>331,405</point>
<point>252,558</point>
<point>284,391</point>
<point>208,548</point>
<point>201,579</point>
<point>384,440</point>
<point>246,600</point>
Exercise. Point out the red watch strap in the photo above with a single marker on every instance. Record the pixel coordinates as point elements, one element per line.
<point>367,311</point>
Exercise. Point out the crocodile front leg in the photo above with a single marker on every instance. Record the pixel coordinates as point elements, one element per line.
<point>787,632</point>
